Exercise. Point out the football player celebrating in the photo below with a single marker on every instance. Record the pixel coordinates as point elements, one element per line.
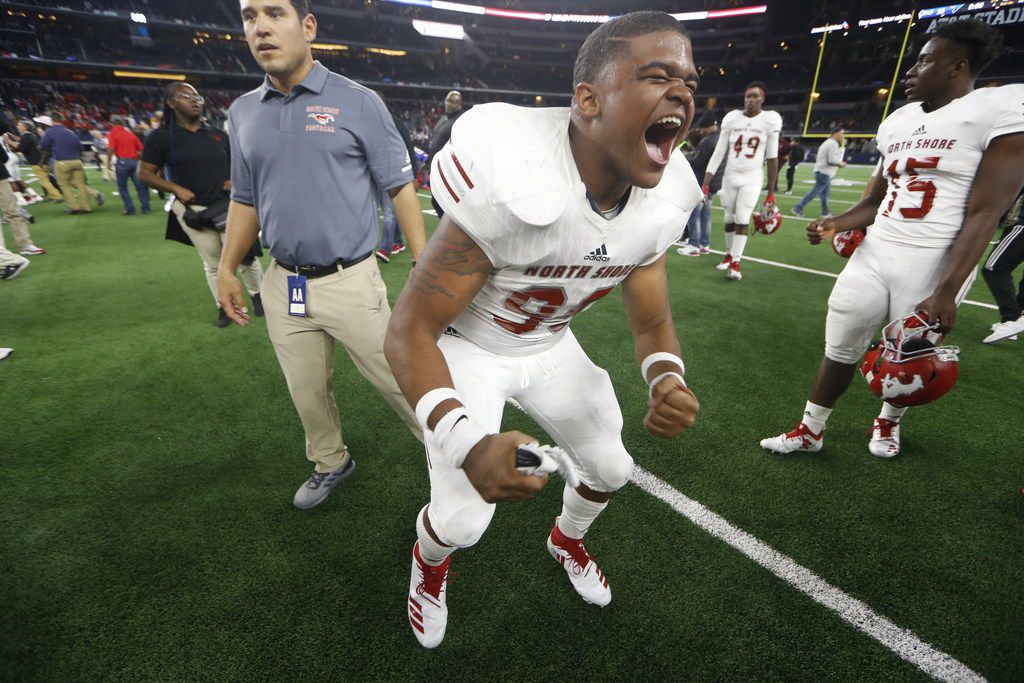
<point>748,137</point>
<point>952,162</point>
<point>539,225</point>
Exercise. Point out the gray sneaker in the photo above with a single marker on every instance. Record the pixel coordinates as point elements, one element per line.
<point>318,487</point>
<point>797,211</point>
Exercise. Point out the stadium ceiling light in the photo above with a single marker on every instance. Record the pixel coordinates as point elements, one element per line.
<point>148,74</point>
<point>386,51</point>
<point>328,46</point>
<point>569,18</point>
<point>436,29</point>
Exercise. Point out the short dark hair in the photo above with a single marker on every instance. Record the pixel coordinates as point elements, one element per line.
<point>980,42</point>
<point>605,43</point>
<point>56,117</point>
<point>836,129</point>
<point>757,84</point>
<point>302,7</point>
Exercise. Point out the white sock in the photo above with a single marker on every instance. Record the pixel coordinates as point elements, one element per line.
<point>432,552</point>
<point>738,242</point>
<point>728,242</point>
<point>816,416</point>
<point>891,412</point>
<point>578,513</point>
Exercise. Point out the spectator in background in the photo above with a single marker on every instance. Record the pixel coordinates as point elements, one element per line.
<point>124,146</point>
<point>11,212</point>
<point>103,154</point>
<point>1005,257</point>
<point>796,155</point>
<point>443,132</point>
<point>699,225</point>
<point>196,164</point>
<point>28,144</point>
<point>828,162</point>
<point>785,144</point>
<point>390,236</point>
<point>66,150</point>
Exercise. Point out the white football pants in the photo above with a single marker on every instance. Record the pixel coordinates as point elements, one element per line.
<point>882,282</point>
<point>570,398</point>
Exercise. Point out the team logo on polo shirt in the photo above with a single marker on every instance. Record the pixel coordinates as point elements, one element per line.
<point>324,117</point>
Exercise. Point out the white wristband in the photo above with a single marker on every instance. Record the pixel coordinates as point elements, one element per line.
<point>654,382</point>
<point>456,434</point>
<point>661,356</point>
<point>430,400</point>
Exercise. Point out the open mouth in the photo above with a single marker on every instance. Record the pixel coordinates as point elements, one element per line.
<point>660,138</point>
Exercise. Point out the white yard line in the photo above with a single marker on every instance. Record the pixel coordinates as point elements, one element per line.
<point>858,614</point>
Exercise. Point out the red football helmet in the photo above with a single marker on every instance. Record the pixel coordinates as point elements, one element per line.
<point>768,219</point>
<point>907,367</point>
<point>845,243</point>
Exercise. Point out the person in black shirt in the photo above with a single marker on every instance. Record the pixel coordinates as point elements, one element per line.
<point>196,163</point>
<point>27,142</point>
<point>796,155</point>
<point>443,133</point>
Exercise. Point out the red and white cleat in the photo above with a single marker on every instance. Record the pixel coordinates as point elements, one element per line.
<point>885,438</point>
<point>584,574</point>
<point>800,439</point>
<point>427,606</point>
<point>726,263</point>
<point>734,272</point>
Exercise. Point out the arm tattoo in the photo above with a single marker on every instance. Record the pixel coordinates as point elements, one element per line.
<point>453,250</point>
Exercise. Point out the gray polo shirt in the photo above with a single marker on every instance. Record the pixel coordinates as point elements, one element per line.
<point>312,164</point>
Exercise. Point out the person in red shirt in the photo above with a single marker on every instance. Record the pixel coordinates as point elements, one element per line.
<point>125,146</point>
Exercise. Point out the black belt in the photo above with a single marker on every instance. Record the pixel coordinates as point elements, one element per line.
<point>313,272</point>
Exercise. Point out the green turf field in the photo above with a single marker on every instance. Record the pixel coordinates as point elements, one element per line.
<point>149,461</point>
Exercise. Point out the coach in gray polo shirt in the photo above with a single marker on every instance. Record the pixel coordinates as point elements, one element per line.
<point>310,150</point>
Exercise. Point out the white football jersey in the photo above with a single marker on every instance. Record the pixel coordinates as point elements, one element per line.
<point>508,178</point>
<point>746,141</point>
<point>930,159</point>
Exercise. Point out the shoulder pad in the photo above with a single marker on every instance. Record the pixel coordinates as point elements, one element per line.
<point>512,150</point>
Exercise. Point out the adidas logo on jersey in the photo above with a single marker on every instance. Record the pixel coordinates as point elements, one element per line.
<point>599,254</point>
<point>920,131</point>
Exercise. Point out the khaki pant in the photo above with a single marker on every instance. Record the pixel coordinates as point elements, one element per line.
<point>209,244</point>
<point>71,172</point>
<point>12,215</point>
<point>107,165</point>
<point>350,306</point>
<point>43,174</point>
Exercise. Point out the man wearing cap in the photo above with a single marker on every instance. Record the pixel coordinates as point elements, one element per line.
<point>66,150</point>
<point>828,162</point>
<point>309,151</point>
<point>28,144</point>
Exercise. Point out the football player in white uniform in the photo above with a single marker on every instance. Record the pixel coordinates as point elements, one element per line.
<point>952,163</point>
<point>546,211</point>
<point>748,137</point>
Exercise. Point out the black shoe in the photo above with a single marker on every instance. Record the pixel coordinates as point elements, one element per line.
<point>31,219</point>
<point>257,305</point>
<point>222,318</point>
